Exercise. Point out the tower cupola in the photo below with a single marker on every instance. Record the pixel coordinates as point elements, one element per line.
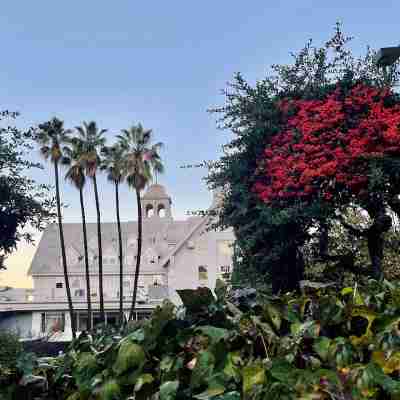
<point>156,203</point>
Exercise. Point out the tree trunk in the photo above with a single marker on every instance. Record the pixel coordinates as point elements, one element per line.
<point>323,238</point>
<point>87,271</point>
<point>100,255</point>
<point>288,271</point>
<point>121,271</point>
<point>63,256</point>
<point>139,252</point>
<point>376,242</point>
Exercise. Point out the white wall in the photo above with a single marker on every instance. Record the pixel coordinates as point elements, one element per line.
<point>46,290</point>
<point>183,269</point>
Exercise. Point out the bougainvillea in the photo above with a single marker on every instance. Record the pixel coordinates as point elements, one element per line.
<point>326,145</point>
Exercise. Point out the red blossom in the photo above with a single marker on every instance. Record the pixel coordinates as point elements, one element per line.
<point>325,145</point>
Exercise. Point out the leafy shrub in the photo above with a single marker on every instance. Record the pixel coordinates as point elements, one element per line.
<point>10,349</point>
<point>323,344</point>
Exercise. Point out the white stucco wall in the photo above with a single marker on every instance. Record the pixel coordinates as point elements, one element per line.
<point>45,286</point>
<point>183,270</point>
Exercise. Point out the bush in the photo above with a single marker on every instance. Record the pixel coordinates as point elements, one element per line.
<point>10,350</point>
<point>323,344</point>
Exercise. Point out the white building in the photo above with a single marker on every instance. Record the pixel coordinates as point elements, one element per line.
<point>175,255</point>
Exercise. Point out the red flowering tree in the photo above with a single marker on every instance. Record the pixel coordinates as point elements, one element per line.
<point>331,149</point>
<point>310,140</point>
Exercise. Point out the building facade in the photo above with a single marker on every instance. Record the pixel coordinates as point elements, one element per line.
<point>175,255</point>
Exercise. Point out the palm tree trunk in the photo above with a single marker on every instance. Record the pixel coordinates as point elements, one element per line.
<point>121,272</point>
<point>87,272</point>
<point>100,255</point>
<point>139,252</point>
<point>63,256</point>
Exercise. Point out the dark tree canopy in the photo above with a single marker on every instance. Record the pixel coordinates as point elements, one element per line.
<point>271,236</point>
<point>23,202</point>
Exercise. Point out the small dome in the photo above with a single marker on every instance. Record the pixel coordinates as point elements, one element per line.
<point>155,191</point>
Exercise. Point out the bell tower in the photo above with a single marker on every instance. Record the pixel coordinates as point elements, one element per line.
<point>156,204</point>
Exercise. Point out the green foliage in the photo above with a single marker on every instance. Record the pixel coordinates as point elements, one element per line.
<point>23,202</point>
<point>271,240</point>
<point>320,344</point>
<point>10,350</point>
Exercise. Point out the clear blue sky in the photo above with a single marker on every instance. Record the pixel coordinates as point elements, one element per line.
<point>162,63</point>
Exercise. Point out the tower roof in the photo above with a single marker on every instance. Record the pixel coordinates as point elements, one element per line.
<point>155,191</point>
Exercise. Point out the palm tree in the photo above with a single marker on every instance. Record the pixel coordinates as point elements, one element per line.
<point>141,160</point>
<point>113,163</point>
<point>51,136</point>
<point>90,140</point>
<point>76,176</point>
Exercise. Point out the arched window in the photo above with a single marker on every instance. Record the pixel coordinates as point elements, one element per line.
<point>161,211</point>
<point>149,211</point>
<point>203,273</point>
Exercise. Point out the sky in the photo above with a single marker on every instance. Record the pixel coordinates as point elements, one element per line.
<point>161,63</point>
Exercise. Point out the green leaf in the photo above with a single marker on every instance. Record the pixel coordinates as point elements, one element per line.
<point>309,329</point>
<point>166,363</point>
<point>143,380</point>
<point>220,289</point>
<point>265,328</point>
<point>130,356</point>
<point>321,347</point>
<point>168,390</point>
<point>274,315</point>
<point>137,336</point>
<point>196,299</point>
<point>253,374</point>
<point>229,396</point>
<point>283,371</point>
<point>214,333</point>
<point>346,290</point>
<point>213,390</point>
<point>110,391</point>
<point>232,365</point>
<point>378,376</point>
<point>203,369</point>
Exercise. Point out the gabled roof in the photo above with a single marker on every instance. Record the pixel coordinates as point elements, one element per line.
<point>199,224</point>
<point>47,259</point>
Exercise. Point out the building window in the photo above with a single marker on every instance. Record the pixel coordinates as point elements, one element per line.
<point>157,280</point>
<point>149,211</point>
<point>225,268</point>
<point>161,211</point>
<point>79,293</point>
<point>203,273</point>
<point>140,315</point>
<point>94,294</point>
<point>225,248</point>
<point>112,260</point>
<point>112,318</point>
<point>82,322</point>
<point>53,322</point>
<point>96,319</point>
<point>126,284</point>
<point>59,285</point>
